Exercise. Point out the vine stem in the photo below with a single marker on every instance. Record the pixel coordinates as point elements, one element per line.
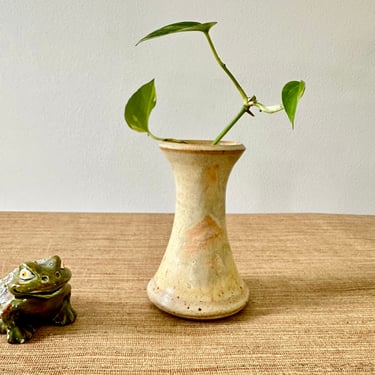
<point>226,70</point>
<point>244,109</point>
<point>246,105</point>
<point>164,139</point>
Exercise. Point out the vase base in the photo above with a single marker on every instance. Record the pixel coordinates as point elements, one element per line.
<point>177,306</point>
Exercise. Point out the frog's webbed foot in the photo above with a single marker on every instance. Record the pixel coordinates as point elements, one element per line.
<point>19,334</point>
<point>66,315</point>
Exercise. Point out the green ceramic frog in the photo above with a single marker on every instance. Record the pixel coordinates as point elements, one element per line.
<point>35,293</point>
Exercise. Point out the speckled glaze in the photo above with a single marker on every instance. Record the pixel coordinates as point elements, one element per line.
<point>197,277</point>
<point>32,294</point>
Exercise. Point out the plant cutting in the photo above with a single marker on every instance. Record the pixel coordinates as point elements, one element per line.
<point>197,277</point>
<point>143,101</point>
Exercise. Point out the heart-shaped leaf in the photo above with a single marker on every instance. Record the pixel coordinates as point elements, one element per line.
<point>291,94</point>
<point>178,28</point>
<point>139,107</point>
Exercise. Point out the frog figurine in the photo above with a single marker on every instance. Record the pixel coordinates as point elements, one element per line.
<point>35,293</point>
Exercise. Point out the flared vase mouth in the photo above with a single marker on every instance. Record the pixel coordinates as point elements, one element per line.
<point>202,145</point>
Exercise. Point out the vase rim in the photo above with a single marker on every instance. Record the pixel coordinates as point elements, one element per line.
<point>202,145</point>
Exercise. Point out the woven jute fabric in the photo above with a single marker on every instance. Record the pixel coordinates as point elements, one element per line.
<point>311,310</point>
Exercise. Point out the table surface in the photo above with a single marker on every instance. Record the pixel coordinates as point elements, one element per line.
<point>311,310</point>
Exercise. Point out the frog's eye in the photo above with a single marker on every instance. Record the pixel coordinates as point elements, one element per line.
<point>26,275</point>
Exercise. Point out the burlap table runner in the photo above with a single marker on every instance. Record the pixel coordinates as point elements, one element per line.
<point>311,279</point>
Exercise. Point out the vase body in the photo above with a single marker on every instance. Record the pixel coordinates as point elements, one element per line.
<point>197,277</point>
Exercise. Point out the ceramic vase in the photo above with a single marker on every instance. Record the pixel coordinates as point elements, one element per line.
<point>197,277</point>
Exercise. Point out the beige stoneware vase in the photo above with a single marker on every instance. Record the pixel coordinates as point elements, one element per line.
<point>197,277</point>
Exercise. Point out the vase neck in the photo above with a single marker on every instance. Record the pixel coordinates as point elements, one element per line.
<point>201,178</point>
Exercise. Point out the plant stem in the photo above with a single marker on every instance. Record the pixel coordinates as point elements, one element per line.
<point>165,139</point>
<point>226,70</point>
<point>244,109</point>
<point>154,137</point>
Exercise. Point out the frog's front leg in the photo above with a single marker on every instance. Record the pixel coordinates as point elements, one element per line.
<point>18,330</point>
<point>19,334</point>
<point>66,315</point>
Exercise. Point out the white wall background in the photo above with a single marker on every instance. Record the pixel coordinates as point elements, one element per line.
<point>68,66</point>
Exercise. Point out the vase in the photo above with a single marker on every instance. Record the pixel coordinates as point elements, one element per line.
<point>197,277</point>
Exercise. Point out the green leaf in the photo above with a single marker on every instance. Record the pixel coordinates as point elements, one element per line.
<point>291,94</point>
<point>139,107</point>
<point>178,28</point>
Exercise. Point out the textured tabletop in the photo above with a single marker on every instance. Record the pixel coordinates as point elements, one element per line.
<point>311,308</point>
